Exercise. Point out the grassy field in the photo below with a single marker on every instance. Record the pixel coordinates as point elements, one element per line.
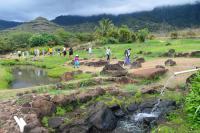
<point>55,65</point>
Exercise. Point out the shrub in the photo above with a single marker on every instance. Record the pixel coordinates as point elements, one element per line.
<point>193,100</point>
<point>174,35</point>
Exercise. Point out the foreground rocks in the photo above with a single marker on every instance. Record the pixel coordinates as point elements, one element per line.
<point>99,63</point>
<point>69,75</point>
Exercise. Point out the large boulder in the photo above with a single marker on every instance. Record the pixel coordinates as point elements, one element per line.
<point>170,62</point>
<point>149,73</point>
<point>43,107</point>
<point>101,118</point>
<point>114,70</point>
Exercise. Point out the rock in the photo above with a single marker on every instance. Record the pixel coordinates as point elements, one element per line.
<point>84,97</point>
<point>182,54</point>
<point>43,107</point>
<point>75,128</point>
<point>152,90</point>
<point>99,63</point>
<point>160,66</point>
<point>147,106</point>
<point>121,62</point>
<point>38,130</point>
<point>4,116</point>
<point>119,113</point>
<point>195,54</point>
<point>102,118</point>
<point>170,53</point>
<point>59,99</point>
<point>132,107</point>
<point>190,78</point>
<point>114,70</point>
<point>59,86</point>
<point>67,76</point>
<point>31,126</point>
<point>136,64</point>
<point>170,62</point>
<point>125,80</point>
<point>55,122</point>
<point>140,60</point>
<point>149,73</point>
<point>26,110</point>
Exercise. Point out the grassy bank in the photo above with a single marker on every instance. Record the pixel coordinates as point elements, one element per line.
<point>5,77</point>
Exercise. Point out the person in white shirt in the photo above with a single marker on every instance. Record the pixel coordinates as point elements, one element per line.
<point>108,53</point>
<point>90,50</point>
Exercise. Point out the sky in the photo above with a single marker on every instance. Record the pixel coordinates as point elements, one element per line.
<point>26,10</point>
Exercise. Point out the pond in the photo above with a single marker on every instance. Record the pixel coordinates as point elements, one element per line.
<point>29,76</point>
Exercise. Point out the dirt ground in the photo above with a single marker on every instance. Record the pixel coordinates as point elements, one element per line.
<point>182,64</point>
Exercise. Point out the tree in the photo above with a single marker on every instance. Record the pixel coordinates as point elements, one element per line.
<point>142,35</point>
<point>124,34</point>
<point>104,27</point>
<point>63,36</point>
<point>20,39</point>
<point>174,35</point>
<point>43,39</point>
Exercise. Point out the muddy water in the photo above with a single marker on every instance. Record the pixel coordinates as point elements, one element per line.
<point>29,76</point>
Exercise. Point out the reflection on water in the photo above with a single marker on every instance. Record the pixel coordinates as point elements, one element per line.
<point>29,76</point>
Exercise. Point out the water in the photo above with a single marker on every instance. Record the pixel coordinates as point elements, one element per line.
<point>29,76</point>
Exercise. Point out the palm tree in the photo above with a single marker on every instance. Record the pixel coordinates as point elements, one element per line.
<point>104,27</point>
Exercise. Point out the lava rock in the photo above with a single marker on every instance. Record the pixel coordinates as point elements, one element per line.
<point>170,62</point>
<point>140,60</point>
<point>136,64</point>
<point>133,107</point>
<point>43,107</point>
<point>55,122</point>
<point>102,118</point>
<point>114,70</point>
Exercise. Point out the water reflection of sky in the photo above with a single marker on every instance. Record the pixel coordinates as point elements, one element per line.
<point>28,76</point>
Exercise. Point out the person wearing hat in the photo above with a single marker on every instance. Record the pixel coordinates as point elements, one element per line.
<point>76,62</point>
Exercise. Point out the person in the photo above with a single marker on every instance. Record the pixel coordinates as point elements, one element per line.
<point>38,53</point>
<point>64,51</point>
<point>108,53</point>
<point>127,54</point>
<point>43,52</point>
<point>19,53</point>
<point>76,62</point>
<point>71,52</point>
<point>90,50</point>
<point>59,51</point>
<point>50,51</point>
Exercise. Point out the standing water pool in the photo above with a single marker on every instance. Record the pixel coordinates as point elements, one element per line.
<point>30,76</point>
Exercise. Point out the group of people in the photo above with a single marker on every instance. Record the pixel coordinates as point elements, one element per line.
<point>127,54</point>
<point>51,51</point>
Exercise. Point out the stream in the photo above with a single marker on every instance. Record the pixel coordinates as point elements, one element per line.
<point>30,76</point>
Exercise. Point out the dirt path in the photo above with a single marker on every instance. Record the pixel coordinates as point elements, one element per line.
<point>182,64</point>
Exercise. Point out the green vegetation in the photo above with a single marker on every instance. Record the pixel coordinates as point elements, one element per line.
<point>5,77</point>
<point>193,101</point>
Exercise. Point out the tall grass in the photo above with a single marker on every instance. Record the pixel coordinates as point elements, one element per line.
<point>5,77</point>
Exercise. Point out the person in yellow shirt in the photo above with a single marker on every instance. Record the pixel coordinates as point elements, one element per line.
<point>50,51</point>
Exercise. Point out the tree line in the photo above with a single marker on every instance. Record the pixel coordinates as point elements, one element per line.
<point>105,33</point>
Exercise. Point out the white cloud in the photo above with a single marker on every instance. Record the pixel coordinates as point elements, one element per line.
<point>24,10</point>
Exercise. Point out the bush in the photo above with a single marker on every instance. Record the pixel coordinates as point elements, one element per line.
<point>193,100</point>
<point>174,35</point>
